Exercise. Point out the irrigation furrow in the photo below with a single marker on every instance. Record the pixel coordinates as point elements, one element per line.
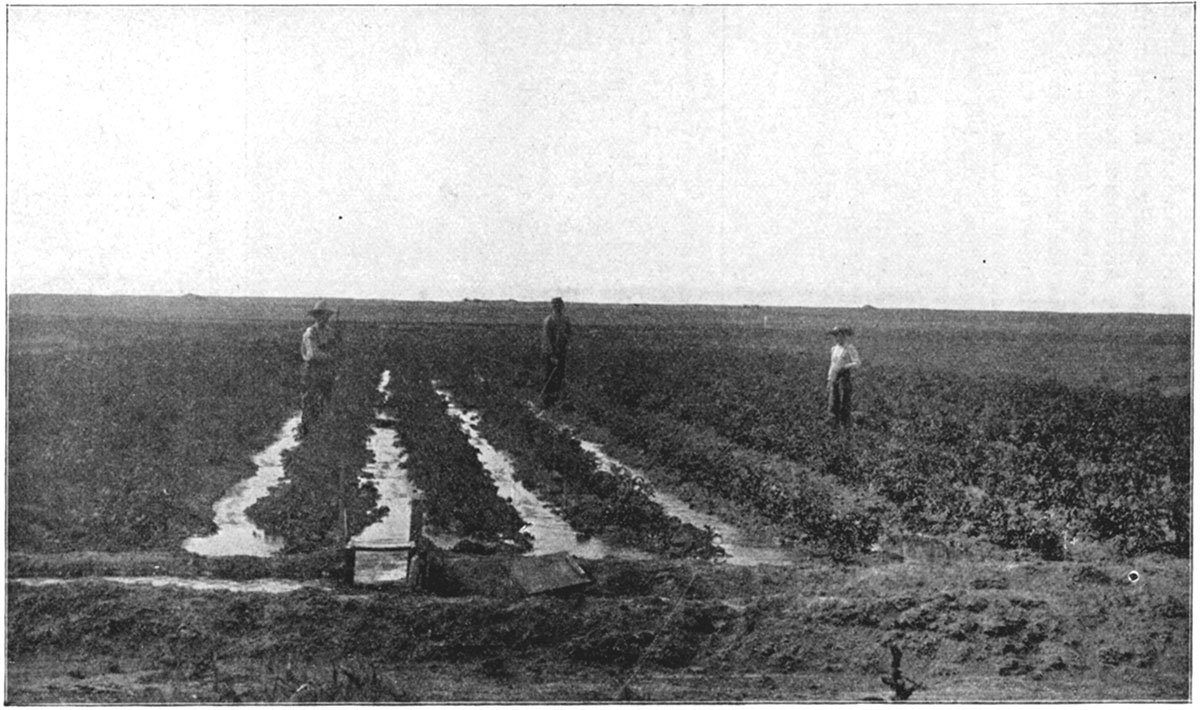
<point>386,472</point>
<point>550,532</point>
<point>262,586</point>
<point>737,550</point>
<point>236,535</point>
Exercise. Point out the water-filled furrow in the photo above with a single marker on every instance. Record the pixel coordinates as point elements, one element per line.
<point>385,470</point>
<point>550,532</point>
<point>236,535</point>
<point>738,550</point>
<point>266,586</point>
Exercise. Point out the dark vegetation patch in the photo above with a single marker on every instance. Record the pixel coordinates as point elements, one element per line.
<point>125,439</point>
<point>1022,463</point>
<point>123,432</point>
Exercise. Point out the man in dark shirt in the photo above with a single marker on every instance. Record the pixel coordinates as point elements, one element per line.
<point>556,331</point>
<point>318,349</point>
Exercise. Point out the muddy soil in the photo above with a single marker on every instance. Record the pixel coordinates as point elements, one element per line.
<point>642,631</point>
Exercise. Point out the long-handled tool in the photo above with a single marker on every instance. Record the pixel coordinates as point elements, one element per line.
<point>553,372</point>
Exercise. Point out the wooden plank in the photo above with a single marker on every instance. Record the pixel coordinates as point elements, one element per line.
<point>392,544</point>
<point>545,573</point>
<point>381,567</point>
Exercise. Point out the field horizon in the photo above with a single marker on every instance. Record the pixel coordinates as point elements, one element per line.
<point>41,299</point>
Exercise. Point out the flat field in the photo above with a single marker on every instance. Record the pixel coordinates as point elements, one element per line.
<point>1006,474</point>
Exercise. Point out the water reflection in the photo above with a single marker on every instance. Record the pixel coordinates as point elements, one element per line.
<point>738,550</point>
<point>267,586</point>
<point>385,470</point>
<point>236,535</point>
<point>391,483</point>
<point>550,532</point>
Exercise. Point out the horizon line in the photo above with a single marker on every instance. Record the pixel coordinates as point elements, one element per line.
<point>469,299</point>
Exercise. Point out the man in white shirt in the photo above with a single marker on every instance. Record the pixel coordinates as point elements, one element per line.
<point>318,348</point>
<point>843,358</point>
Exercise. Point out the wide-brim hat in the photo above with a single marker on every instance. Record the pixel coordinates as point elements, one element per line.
<point>841,330</point>
<point>319,308</point>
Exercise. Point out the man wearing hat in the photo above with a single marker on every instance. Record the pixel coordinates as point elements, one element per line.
<point>556,331</point>
<point>318,347</point>
<point>842,359</point>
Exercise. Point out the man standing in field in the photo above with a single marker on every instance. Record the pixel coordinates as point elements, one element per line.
<point>318,347</point>
<point>842,359</point>
<point>556,331</point>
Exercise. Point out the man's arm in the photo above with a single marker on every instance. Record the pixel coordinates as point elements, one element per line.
<point>320,345</point>
<point>335,327</point>
<point>306,345</point>
<point>854,360</point>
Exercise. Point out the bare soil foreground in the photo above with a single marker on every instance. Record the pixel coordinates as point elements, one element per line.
<point>655,632</point>
<point>1008,520</point>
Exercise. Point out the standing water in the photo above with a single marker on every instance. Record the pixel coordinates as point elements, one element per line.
<point>236,535</point>
<point>264,586</point>
<point>550,532</point>
<point>738,550</point>
<point>386,562</point>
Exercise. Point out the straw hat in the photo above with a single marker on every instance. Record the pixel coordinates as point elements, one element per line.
<point>841,330</point>
<point>319,308</point>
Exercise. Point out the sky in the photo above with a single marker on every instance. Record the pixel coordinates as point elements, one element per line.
<point>986,157</point>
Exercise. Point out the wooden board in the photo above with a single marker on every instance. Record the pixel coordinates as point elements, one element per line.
<point>545,573</point>
<point>381,566</point>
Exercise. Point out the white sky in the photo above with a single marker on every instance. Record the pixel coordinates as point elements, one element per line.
<point>980,157</point>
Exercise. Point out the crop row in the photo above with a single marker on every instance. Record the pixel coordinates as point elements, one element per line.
<point>320,502</point>
<point>552,464</point>
<point>124,437</point>
<point>1020,462</point>
<point>459,495</point>
<point>500,368</point>
<point>1017,461</point>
